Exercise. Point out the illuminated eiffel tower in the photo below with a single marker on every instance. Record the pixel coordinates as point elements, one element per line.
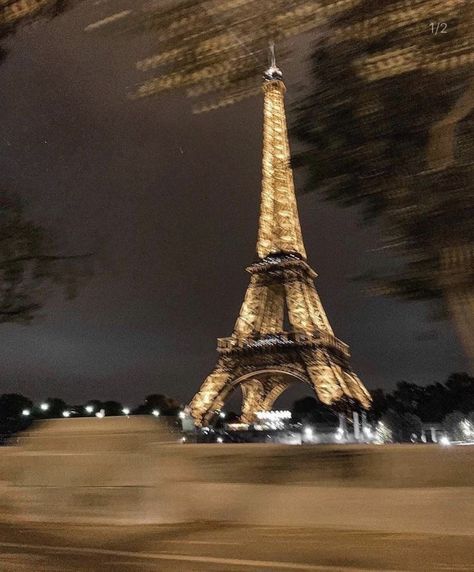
<point>262,357</point>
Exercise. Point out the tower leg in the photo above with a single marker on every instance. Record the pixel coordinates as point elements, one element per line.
<point>252,400</point>
<point>323,379</point>
<point>259,396</point>
<point>210,396</point>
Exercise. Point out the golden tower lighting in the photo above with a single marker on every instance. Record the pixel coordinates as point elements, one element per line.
<point>262,357</point>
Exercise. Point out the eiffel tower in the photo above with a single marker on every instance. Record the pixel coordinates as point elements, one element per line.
<point>262,356</point>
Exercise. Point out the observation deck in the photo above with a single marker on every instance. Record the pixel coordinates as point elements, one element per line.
<point>281,340</point>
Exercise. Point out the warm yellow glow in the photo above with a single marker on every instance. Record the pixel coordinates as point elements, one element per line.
<point>279,227</point>
<point>261,357</point>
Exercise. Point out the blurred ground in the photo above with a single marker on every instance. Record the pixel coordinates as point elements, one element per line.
<point>225,548</point>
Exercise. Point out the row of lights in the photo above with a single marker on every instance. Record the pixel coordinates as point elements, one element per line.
<point>89,409</point>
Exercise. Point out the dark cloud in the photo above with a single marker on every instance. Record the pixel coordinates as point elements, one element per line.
<point>171,199</point>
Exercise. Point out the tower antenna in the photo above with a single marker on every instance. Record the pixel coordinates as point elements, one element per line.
<point>273,71</point>
<point>271,50</point>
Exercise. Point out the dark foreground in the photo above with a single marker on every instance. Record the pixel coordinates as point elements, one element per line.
<point>225,548</point>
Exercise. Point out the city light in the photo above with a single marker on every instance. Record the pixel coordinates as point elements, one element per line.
<point>368,432</point>
<point>383,434</point>
<point>444,440</point>
<point>44,406</point>
<point>467,429</point>
<point>273,415</point>
<point>308,433</point>
<point>66,413</point>
<point>220,440</point>
<point>155,412</point>
<point>100,414</point>
<point>90,408</point>
<point>272,419</point>
<point>26,412</point>
<point>181,415</point>
<point>126,411</point>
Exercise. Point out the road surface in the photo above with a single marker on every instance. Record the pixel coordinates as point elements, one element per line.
<point>225,548</point>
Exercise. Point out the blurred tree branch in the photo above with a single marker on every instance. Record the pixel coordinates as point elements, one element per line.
<point>388,126</point>
<point>30,259</point>
<point>387,122</point>
<point>14,13</point>
<point>30,262</point>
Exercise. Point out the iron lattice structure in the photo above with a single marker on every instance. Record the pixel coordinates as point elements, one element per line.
<point>263,356</point>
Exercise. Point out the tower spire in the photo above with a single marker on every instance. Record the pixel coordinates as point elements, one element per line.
<point>273,71</point>
<point>279,226</point>
<point>271,47</point>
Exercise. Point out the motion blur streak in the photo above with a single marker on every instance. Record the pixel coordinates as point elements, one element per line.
<point>385,117</point>
<point>181,558</point>
<point>117,482</point>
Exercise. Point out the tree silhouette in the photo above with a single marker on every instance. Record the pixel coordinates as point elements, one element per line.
<point>11,418</point>
<point>30,260</point>
<point>310,410</point>
<point>430,403</point>
<point>12,405</point>
<point>56,407</point>
<point>157,402</point>
<point>387,125</point>
<point>15,13</point>
<point>112,407</point>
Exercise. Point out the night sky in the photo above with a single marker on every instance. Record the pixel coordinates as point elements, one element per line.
<point>169,200</point>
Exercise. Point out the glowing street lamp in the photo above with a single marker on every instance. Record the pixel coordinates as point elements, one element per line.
<point>66,413</point>
<point>444,440</point>
<point>155,412</point>
<point>89,408</point>
<point>26,412</point>
<point>126,411</point>
<point>100,414</point>
<point>44,406</point>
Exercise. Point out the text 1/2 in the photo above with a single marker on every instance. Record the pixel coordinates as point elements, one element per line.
<point>438,27</point>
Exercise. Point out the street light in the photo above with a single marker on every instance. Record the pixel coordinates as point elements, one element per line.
<point>155,412</point>
<point>66,413</point>
<point>308,433</point>
<point>126,411</point>
<point>90,408</point>
<point>44,406</point>
<point>26,412</point>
